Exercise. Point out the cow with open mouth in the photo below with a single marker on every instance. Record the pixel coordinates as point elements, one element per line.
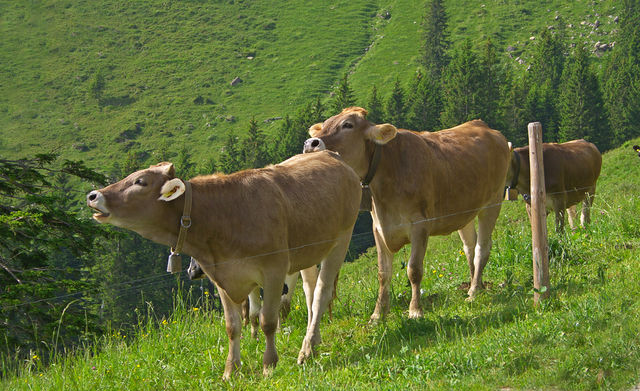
<point>248,229</point>
<point>421,184</point>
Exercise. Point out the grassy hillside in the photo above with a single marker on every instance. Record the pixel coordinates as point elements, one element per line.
<point>167,69</point>
<point>585,337</point>
<point>95,80</point>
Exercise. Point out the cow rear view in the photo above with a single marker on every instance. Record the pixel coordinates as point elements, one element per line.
<point>571,171</point>
<point>249,229</point>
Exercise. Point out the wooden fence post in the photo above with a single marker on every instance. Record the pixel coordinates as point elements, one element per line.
<point>540,247</point>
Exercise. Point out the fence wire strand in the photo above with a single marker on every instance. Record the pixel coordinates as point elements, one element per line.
<point>164,277</point>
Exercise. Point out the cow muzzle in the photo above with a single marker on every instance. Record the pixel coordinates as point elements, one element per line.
<point>96,201</point>
<point>313,144</point>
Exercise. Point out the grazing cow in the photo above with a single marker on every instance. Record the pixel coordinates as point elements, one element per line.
<point>246,230</point>
<point>425,184</point>
<point>571,170</point>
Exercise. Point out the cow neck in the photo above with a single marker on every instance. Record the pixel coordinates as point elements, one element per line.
<point>514,181</point>
<point>185,220</point>
<point>365,201</point>
<point>373,165</point>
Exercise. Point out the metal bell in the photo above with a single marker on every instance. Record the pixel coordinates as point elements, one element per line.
<point>174,264</point>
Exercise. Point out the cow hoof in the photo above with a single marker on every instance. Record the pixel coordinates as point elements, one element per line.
<point>267,371</point>
<point>375,318</point>
<point>306,352</point>
<point>415,314</point>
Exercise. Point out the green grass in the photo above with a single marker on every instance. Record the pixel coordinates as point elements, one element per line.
<point>167,65</point>
<point>585,337</point>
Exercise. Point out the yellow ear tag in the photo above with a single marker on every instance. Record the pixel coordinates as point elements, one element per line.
<point>171,192</point>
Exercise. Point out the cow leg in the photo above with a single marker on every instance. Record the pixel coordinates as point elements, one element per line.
<point>572,215</point>
<point>469,239</point>
<point>272,291</point>
<point>486,223</point>
<point>415,268</point>
<point>585,217</point>
<point>322,294</point>
<point>559,220</point>
<point>385,264</point>
<point>285,307</point>
<point>233,321</point>
<point>309,280</point>
<point>254,311</point>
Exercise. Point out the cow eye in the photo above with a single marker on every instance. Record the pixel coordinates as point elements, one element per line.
<point>140,182</point>
<point>347,125</point>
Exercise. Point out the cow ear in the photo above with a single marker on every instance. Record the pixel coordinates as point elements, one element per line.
<point>314,129</point>
<point>165,168</point>
<point>172,189</point>
<point>382,134</point>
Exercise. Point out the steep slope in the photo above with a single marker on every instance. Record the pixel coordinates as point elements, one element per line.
<point>96,80</point>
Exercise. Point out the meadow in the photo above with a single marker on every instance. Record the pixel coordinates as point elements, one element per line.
<point>97,81</point>
<point>584,337</point>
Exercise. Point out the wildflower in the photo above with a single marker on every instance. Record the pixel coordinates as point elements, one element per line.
<point>195,309</point>
<point>35,357</point>
<point>440,275</point>
<point>164,321</point>
<point>206,293</point>
<point>433,271</point>
<point>297,307</point>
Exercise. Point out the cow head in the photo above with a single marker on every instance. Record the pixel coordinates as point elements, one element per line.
<point>139,201</point>
<point>351,135</point>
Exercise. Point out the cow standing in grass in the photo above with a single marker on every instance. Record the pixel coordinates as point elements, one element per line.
<point>571,170</point>
<point>425,184</point>
<point>246,230</point>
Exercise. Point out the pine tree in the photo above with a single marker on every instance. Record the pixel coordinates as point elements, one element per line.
<point>395,106</point>
<point>541,106</point>
<point>294,131</point>
<point>287,140</point>
<point>622,76</point>
<point>253,149</point>
<point>208,166</point>
<point>185,168</point>
<point>374,107</point>
<point>230,156</point>
<point>424,103</point>
<point>461,88</point>
<point>548,59</point>
<point>489,86</point>
<point>515,118</point>
<point>435,43</point>
<point>544,77</point>
<point>344,96</point>
<point>44,261</point>
<point>580,105</point>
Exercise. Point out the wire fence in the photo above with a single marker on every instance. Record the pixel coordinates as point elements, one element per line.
<point>163,278</point>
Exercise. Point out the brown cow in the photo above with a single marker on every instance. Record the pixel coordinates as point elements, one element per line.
<point>426,184</point>
<point>248,229</point>
<point>571,170</point>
